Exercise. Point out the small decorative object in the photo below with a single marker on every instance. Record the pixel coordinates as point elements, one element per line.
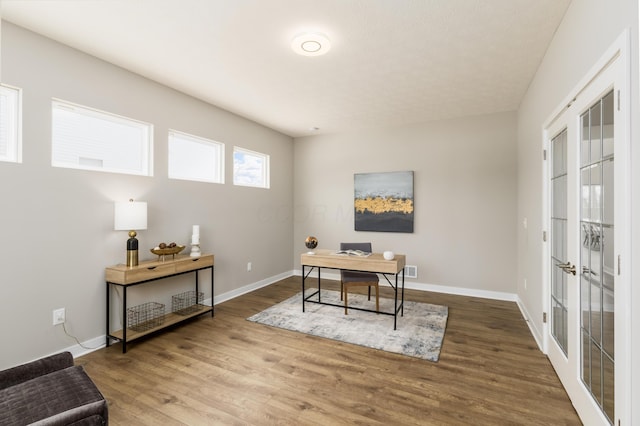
<point>311,243</point>
<point>195,241</point>
<point>163,249</point>
<point>388,255</point>
<point>130,216</point>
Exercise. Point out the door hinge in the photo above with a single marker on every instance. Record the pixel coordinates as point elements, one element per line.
<point>544,154</point>
<point>618,100</point>
<point>618,264</point>
<point>544,236</point>
<point>544,317</point>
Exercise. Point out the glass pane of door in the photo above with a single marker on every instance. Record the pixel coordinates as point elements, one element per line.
<point>596,255</point>
<point>559,313</point>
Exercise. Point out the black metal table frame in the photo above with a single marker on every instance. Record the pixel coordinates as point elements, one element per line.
<point>109,336</point>
<point>397,308</point>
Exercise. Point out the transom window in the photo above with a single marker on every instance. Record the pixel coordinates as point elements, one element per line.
<point>250,168</point>
<point>195,158</point>
<point>85,138</point>
<point>10,118</point>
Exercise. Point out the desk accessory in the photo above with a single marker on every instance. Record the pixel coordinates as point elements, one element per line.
<point>163,250</point>
<point>195,241</point>
<point>311,242</point>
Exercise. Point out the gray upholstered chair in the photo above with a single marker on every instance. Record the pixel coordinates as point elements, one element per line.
<point>353,278</point>
<point>50,391</point>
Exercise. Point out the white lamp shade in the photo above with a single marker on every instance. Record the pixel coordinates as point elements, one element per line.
<point>130,216</point>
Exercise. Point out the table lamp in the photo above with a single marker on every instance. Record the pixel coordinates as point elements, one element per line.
<point>131,215</point>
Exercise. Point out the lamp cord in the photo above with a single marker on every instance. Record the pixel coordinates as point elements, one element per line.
<point>64,327</point>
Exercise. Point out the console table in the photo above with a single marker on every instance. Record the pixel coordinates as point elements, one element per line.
<point>375,262</point>
<point>146,272</point>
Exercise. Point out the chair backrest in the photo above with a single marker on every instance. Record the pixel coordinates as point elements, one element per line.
<point>356,246</point>
<point>357,276</point>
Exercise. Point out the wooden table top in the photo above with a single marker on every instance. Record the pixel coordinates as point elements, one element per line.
<point>324,258</point>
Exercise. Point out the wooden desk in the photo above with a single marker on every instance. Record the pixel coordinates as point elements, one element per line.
<point>373,263</point>
<point>152,270</point>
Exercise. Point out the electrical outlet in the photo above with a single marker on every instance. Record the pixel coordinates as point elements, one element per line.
<point>58,316</point>
<point>249,267</point>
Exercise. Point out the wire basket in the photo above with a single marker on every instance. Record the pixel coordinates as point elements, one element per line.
<point>186,303</point>
<point>146,316</point>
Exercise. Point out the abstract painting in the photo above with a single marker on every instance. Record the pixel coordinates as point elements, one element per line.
<point>383,202</point>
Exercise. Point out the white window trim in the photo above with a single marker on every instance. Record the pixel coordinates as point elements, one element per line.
<point>147,154</point>
<point>204,141</point>
<point>266,172</point>
<point>14,148</point>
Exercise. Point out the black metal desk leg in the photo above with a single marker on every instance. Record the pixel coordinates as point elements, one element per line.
<point>395,305</point>
<point>319,295</point>
<point>402,309</point>
<point>196,272</point>
<point>107,335</point>
<point>302,288</point>
<point>124,319</point>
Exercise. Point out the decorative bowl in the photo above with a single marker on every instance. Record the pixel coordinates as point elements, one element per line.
<point>388,255</point>
<point>167,251</point>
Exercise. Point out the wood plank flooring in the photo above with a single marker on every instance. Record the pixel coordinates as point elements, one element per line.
<point>228,371</point>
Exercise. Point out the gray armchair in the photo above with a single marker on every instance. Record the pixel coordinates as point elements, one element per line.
<point>353,278</point>
<point>50,391</point>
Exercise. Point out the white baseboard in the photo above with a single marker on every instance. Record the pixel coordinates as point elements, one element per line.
<point>86,347</point>
<point>459,291</point>
<point>537,334</point>
<point>99,342</point>
<point>249,288</point>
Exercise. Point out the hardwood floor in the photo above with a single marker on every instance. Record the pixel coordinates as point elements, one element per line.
<point>229,371</point>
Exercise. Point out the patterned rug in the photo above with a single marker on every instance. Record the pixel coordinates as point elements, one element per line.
<point>419,333</point>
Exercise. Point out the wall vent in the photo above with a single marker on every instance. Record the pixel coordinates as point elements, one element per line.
<point>411,271</point>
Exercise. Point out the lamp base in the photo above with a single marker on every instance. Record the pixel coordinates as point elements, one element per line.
<point>132,249</point>
<point>132,257</point>
<point>195,250</point>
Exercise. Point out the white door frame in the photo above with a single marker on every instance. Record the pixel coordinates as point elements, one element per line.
<point>619,51</point>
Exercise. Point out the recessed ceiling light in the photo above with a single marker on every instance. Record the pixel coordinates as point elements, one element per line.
<point>310,44</point>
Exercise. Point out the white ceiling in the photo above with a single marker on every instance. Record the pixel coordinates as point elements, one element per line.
<point>392,62</point>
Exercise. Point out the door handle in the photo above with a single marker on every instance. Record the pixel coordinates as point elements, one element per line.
<point>567,267</point>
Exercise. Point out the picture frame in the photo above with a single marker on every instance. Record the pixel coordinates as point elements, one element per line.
<point>383,202</point>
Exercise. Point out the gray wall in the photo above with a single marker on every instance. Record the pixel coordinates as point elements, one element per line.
<point>57,224</point>
<point>464,192</point>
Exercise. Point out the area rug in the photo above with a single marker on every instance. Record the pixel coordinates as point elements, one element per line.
<point>419,332</point>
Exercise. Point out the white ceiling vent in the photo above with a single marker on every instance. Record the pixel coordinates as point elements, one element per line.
<point>411,271</point>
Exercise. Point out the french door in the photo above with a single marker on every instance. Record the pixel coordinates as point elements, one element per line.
<point>587,292</point>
